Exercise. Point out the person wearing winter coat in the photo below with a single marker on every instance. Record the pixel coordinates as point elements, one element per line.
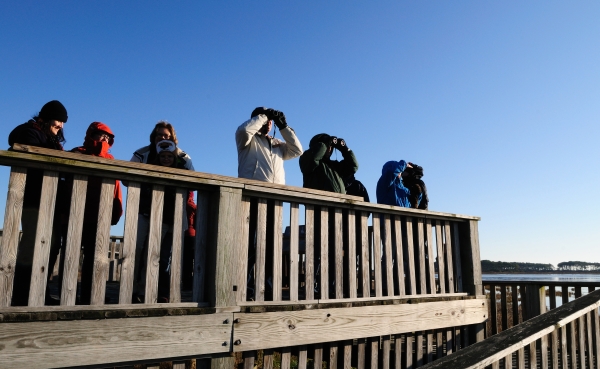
<point>99,138</point>
<point>390,188</point>
<point>261,156</point>
<point>163,130</point>
<point>43,130</point>
<point>166,156</point>
<point>322,173</point>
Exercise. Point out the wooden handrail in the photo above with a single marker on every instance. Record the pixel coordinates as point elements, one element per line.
<point>499,346</point>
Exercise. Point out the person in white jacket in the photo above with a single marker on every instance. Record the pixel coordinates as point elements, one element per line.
<point>261,156</point>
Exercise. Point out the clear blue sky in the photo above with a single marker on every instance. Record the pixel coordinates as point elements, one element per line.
<point>498,101</point>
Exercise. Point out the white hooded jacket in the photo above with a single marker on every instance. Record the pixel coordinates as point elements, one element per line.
<point>261,156</point>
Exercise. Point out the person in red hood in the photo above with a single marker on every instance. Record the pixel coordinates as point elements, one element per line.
<point>99,138</point>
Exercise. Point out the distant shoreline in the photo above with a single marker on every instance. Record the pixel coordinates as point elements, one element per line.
<point>547,272</point>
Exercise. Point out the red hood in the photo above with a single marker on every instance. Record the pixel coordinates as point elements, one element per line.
<point>99,126</point>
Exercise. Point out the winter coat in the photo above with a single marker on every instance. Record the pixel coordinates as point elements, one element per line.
<point>147,155</point>
<point>31,134</point>
<point>390,189</point>
<point>355,187</point>
<point>261,156</point>
<point>322,173</point>
<point>92,200</point>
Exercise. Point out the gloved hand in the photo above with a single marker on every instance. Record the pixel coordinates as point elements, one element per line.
<point>272,114</point>
<point>279,120</point>
<point>341,145</point>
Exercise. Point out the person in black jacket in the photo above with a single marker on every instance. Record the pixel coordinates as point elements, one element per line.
<point>43,130</point>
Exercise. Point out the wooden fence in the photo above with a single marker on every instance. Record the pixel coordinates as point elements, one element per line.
<point>405,293</point>
<point>566,337</point>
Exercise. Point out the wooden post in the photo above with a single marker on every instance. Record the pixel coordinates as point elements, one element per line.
<point>535,298</point>
<point>471,268</point>
<point>226,214</point>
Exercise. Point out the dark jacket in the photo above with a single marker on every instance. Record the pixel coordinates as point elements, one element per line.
<point>322,173</point>
<point>355,187</point>
<point>31,134</point>
<point>390,189</point>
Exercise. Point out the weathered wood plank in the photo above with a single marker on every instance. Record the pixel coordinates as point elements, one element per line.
<point>449,252</point>
<point>94,342</point>
<point>318,356</point>
<point>277,329</point>
<point>154,244</point>
<point>361,354</point>
<point>471,261</point>
<point>102,240</point>
<point>364,255</point>
<point>440,257</point>
<point>410,339</point>
<point>430,258</point>
<point>439,343</point>
<point>422,261</point>
<point>339,253</point>
<point>43,240</point>
<point>596,347</point>
<point>302,357</point>
<point>589,340</point>
<point>374,344</point>
<point>241,263</point>
<point>294,239</point>
<point>286,357</point>
<point>420,354</point>
<point>177,244</point>
<point>564,352</point>
<point>261,251</point>
<point>201,245</point>
<point>352,277</point>
<point>410,255</point>
<point>324,282</point>
<point>398,352</point>
<point>429,346</point>
<point>277,250</point>
<point>495,347</point>
<point>333,354</point>
<point>377,255</point>
<point>385,351</point>
<point>68,294</point>
<point>397,242</point>
<point>249,357</point>
<point>129,243</point>
<point>493,309</point>
<point>10,235</point>
<point>388,256</point>
<point>309,269</point>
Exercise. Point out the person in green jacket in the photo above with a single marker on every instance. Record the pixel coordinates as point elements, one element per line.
<point>322,173</point>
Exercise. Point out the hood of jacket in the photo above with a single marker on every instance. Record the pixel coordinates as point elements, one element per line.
<point>321,137</point>
<point>393,167</point>
<point>95,147</point>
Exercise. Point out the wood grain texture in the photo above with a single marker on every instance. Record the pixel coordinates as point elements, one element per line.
<point>388,256</point>
<point>201,245</point>
<point>449,252</point>
<point>100,271</point>
<point>94,342</point>
<point>72,251</point>
<point>385,352</point>
<point>261,251</point>
<point>129,243</point>
<point>471,261</point>
<point>309,268</point>
<point>347,364</point>
<point>294,261</point>
<point>338,253</point>
<point>377,255</point>
<point>249,357</point>
<point>43,240</point>
<point>398,352</point>
<point>440,257</point>
<point>302,357</point>
<point>374,343</point>
<point>420,354</point>
<point>154,244</point>
<point>318,356</point>
<point>422,261</point>
<point>430,257</point>
<point>324,281</point>
<point>290,328</point>
<point>286,357</point>
<point>410,339</point>
<point>365,269</point>
<point>410,255</point>
<point>179,220</point>
<point>241,262</point>
<point>361,354</point>
<point>334,348</point>
<point>277,250</point>
<point>397,241</point>
<point>10,235</point>
<point>352,277</point>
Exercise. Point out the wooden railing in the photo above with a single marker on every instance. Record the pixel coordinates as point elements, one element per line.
<point>564,337</point>
<point>413,283</point>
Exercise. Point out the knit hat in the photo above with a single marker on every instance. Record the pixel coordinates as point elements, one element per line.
<point>53,110</point>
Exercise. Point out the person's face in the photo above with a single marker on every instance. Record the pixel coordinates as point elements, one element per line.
<point>166,159</point>
<point>101,136</point>
<point>55,126</point>
<point>162,134</point>
<point>267,127</point>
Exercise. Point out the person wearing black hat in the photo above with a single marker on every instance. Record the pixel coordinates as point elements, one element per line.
<point>44,130</point>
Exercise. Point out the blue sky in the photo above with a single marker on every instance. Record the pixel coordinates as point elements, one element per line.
<point>498,101</point>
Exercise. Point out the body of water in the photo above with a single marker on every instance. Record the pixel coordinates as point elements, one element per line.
<point>542,277</point>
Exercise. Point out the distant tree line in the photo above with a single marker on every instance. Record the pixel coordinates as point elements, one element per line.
<point>579,266</point>
<point>514,267</point>
<point>517,267</point>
